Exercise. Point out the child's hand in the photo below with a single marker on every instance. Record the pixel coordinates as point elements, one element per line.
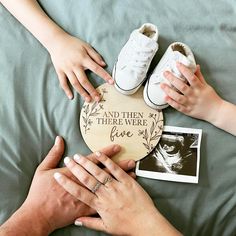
<point>196,99</point>
<point>71,57</point>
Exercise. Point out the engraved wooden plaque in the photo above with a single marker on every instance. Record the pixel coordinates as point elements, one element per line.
<point>123,120</point>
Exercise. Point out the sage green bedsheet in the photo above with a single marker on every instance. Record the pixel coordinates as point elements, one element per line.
<point>34,109</point>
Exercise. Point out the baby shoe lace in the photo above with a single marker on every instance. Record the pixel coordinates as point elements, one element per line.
<point>140,58</point>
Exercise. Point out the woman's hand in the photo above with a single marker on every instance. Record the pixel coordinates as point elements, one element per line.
<point>124,207</point>
<point>196,99</point>
<point>71,57</point>
<point>48,205</point>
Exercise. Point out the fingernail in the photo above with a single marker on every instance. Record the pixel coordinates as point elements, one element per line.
<point>66,160</point>
<point>103,62</point>
<point>57,140</point>
<point>116,148</point>
<point>131,164</point>
<point>97,98</point>
<point>70,96</point>
<point>78,223</point>
<point>87,99</point>
<point>77,157</point>
<point>57,175</point>
<point>110,81</point>
<point>98,154</point>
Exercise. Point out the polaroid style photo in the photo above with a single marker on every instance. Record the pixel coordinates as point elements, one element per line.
<point>175,158</point>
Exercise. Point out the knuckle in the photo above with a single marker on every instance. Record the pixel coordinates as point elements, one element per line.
<point>63,84</point>
<point>85,179</point>
<point>112,167</point>
<point>95,68</point>
<point>103,158</point>
<point>74,83</point>
<point>193,78</point>
<point>178,107</point>
<point>83,94</point>
<point>83,80</point>
<point>183,87</point>
<point>94,92</point>
<point>77,193</point>
<point>179,99</point>
<point>189,109</point>
<point>97,173</point>
<point>82,160</point>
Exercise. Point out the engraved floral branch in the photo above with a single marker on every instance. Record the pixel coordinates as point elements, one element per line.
<point>91,110</point>
<point>152,134</point>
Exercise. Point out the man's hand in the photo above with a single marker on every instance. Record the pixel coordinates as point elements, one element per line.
<point>48,206</point>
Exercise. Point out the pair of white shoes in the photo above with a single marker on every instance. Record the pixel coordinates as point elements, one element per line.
<point>131,68</point>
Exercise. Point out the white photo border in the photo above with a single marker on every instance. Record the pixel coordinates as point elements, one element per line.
<point>175,177</point>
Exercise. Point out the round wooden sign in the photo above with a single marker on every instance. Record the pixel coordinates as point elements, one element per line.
<point>123,120</point>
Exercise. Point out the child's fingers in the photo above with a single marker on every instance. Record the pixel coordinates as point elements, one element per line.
<point>198,73</point>
<point>83,79</point>
<point>189,75</point>
<point>95,56</point>
<point>63,82</point>
<point>177,83</point>
<point>175,105</point>
<point>179,98</point>
<point>93,66</point>
<point>75,83</point>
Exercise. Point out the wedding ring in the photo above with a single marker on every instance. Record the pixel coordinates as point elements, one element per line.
<point>108,179</point>
<point>96,187</point>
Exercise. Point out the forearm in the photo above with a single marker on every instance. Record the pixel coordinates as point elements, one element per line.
<point>225,117</point>
<point>31,15</point>
<point>24,223</point>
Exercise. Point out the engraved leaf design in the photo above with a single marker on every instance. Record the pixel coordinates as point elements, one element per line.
<point>85,120</point>
<point>152,128</point>
<point>86,110</point>
<point>145,134</point>
<point>146,146</point>
<point>94,105</point>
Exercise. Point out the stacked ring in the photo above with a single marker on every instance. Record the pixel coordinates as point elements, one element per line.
<point>108,179</point>
<point>96,187</point>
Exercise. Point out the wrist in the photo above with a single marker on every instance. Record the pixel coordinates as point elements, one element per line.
<point>53,38</point>
<point>214,114</point>
<point>155,224</point>
<point>33,223</point>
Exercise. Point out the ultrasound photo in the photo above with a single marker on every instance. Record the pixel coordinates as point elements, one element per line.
<point>175,158</point>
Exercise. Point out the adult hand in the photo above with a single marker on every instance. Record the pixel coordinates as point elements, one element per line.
<point>123,205</point>
<point>196,99</point>
<point>71,57</point>
<point>48,206</point>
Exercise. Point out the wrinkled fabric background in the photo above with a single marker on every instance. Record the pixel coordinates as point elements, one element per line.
<point>34,109</point>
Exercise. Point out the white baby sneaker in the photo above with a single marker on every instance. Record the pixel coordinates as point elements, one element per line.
<point>153,95</point>
<point>134,59</point>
